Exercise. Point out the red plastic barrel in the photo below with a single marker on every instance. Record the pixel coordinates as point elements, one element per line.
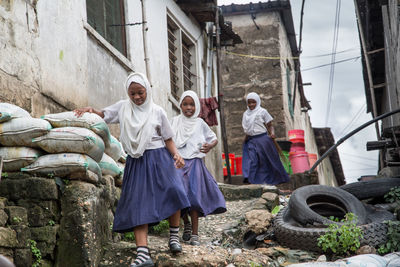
<point>231,163</point>
<point>238,163</point>
<point>296,136</point>
<point>299,161</point>
<point>312,158</point>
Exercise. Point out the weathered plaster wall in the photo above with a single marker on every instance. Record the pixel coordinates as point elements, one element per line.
<point>242,75</point>
<point>51,62</point>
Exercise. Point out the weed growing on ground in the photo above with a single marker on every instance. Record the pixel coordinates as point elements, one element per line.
<point>130,236</point>
<point>37,255</point>
<point>393,238</point>
<point>161,228</point>
<point>344,239</point>
<point>393,195</point>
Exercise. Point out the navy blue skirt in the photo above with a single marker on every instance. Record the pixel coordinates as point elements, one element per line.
<point>201,188</point>
<point>151,191</point>
<point>261,163</point>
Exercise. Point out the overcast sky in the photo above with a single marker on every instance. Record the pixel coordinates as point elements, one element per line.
<point>348,108</point>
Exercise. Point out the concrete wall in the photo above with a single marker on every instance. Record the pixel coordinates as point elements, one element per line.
<point>270,78</point>
<point>51,60</point>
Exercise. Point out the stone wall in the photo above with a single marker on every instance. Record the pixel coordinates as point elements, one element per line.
<point>69,220</point>
<point>242,75</point>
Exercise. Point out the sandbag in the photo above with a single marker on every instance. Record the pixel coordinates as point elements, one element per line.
<point>15,158</point>
<point>68,165</point>
<point>9,111</point>
<point>88,120</point>
<point>21,131</point>
<point>109,167</point>
<point>72,140</point>
<point>114,149</point>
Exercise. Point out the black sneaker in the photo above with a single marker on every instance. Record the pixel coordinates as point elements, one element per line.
<point>175,247</point>
<point>246,181</point>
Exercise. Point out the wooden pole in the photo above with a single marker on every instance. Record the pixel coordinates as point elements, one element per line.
<point>368,66</point>
<point>221,95</point>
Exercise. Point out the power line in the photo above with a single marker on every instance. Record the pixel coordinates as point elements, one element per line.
<point>329,64</point>
<point>333,59</point>
<point>358,156</point>
<point>329,54</point>
<point>354,119</point>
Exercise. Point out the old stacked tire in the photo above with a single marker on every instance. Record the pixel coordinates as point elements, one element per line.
<point>301,227</point>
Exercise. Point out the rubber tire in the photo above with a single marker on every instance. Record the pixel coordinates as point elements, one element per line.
<point>291,234</point>
<point>303,196</point>
<point>371,189</point>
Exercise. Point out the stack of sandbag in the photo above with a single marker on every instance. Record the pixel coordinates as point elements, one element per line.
<point>17,129</point>
<point>77,147</point>
<point>97,141</point>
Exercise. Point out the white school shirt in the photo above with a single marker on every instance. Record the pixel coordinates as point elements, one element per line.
<point>259,122</point>
<point>202,134</point>
<point>162,129</point>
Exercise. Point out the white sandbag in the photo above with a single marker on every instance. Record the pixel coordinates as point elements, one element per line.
<point>9,111</point>
<point>72,140</point>
<point>15,158</point>
<point>114,149</point>
<point>69,165</point>
<point>21,131</point>
<point>109,167</point>
<point>88,120</point>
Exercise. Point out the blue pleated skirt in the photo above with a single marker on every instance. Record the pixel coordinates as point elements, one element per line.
<point>201,188</point>
<point>151,191</point>
<point>261,163</point>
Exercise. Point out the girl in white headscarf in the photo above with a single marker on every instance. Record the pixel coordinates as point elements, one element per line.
<point>261,163</point>
<point>194,139</point>
<point>151,190</point>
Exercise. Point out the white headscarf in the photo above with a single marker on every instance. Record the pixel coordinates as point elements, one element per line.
<point>183,126</point>
<point>250,115</point>
<point>136,121</point>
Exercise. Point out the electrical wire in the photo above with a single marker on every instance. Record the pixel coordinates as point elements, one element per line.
<point>329,64</point>
<point>333,59</point>
<point>330,54</point>
<point>353,120</point>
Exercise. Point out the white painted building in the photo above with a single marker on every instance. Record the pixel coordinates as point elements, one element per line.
<point>62,54</point>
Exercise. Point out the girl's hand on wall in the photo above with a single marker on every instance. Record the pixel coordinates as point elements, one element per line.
<point>179,161</point>
<point>80,111</point>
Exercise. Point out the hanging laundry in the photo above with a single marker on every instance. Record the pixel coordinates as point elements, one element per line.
<point>207,112</point>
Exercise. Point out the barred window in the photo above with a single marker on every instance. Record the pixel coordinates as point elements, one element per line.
<point>102,15</point>
<point>182,67</point>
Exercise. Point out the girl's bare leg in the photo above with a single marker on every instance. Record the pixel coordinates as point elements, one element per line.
<point>143,255</point>
<point>194,239</point>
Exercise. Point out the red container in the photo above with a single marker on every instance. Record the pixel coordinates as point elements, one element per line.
<point>312,158</point>
<point>231,164</point>
<point>238,163</point>
<point>296,136</point>
<point>295,147</point>
<point>299,161</point>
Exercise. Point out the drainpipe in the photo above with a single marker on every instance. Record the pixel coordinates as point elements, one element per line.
<point>221,94</point>
<point>209,59</point>
<point>145,48</point>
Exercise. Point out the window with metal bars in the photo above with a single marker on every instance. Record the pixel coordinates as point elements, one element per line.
<point>104,16</point>
<point>181,60</point>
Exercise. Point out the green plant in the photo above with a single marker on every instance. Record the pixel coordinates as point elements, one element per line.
<point>342,240</point>
<point>393,238</point>
<point>4,174</point>
<point>17,219</point>
<point>37,255</point>
<point>254,264</point>
<point>162,227</point>
<point>276,209</point>
<point>51,175</point>
<point>393,195</point>
<point>52,223</point>
<point>66,181</point>
<point>129,236</point>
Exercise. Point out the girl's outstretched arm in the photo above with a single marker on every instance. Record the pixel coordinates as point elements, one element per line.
<point>79,111</point>
<point>170,145</point>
